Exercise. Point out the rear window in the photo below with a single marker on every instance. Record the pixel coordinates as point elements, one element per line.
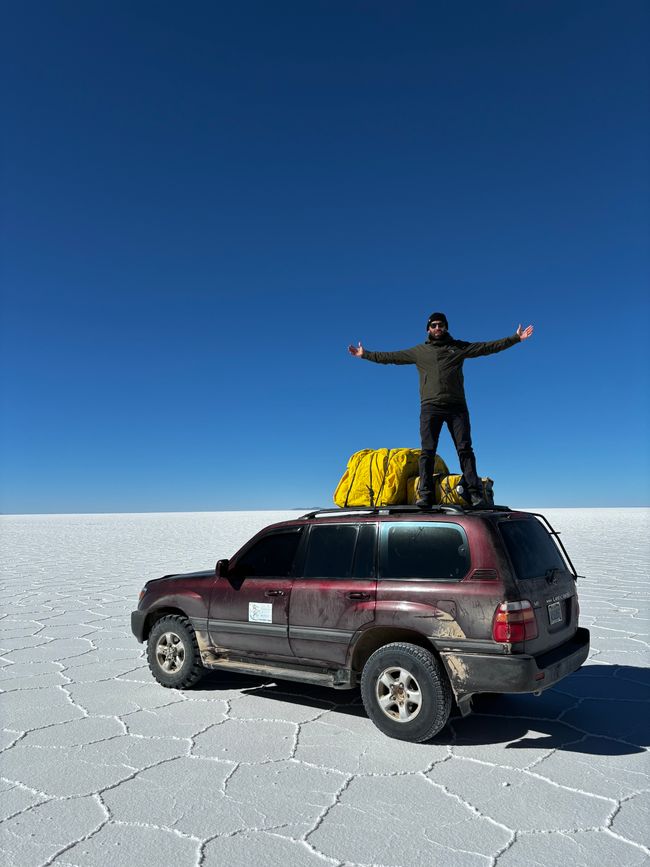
<point>435,552</point>
<point>532,550</point>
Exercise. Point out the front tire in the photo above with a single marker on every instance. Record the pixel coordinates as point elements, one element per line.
<point>405,692</point>
<point>173,653</point>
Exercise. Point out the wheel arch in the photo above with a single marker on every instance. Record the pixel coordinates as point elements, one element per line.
<point>157,614</point>
<point>372,639</point>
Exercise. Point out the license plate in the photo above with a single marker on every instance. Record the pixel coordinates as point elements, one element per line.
<point>555,613</point>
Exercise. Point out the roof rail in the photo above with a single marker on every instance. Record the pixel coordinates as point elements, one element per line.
<point>383,510</point>
<point>447,509</point>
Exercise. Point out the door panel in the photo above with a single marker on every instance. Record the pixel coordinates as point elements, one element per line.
<point>249,607</point>
<point>336,594</point>
<point>250,615</point>
<point>325,614</point>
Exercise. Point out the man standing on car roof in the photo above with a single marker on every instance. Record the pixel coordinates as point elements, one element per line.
<point>440,364</point>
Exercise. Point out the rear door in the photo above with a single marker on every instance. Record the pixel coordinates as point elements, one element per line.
<point>544,578</point>
<point>335,593</point>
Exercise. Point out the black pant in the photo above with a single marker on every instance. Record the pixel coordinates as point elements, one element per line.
<point>432,418</point>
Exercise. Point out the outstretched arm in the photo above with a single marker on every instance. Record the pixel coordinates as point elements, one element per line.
<point>402,356</point>
<point>474,350</point>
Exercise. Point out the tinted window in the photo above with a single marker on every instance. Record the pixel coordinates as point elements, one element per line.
<point>532,551</point>
<point>330,552</point>
<point>272,556</point>
<point>438,552</point>
<point>364,558</point>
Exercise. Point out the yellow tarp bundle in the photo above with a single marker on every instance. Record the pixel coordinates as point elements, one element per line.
<point>412,489</point>
<point>446,490</point>
<point>447,494</point>
<point>379,477</point>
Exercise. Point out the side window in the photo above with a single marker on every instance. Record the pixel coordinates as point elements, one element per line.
<point>271,556</point>
<point>330,552</point>
<point>364,557</point>
<point>434,551</point>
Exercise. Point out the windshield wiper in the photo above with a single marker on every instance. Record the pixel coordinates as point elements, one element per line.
<point>551,573</point>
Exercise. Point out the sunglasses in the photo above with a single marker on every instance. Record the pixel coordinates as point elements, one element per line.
<point>439,325</point>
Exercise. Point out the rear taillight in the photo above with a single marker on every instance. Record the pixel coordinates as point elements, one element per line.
<point>514,621</point>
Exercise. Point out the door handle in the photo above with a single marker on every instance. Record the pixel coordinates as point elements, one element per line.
<point>274,593</point>
<point>358,595</point>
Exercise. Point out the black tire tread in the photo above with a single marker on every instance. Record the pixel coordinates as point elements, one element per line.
<point>438,679</point>
<point>195,671</point>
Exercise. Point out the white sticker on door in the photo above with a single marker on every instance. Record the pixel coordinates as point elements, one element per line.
<point>260,612</point>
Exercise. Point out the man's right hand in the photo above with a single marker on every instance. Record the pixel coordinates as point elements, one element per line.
<point>357,351</point>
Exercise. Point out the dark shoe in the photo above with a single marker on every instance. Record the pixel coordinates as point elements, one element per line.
<point>479,502</point>
<point>424,502</point>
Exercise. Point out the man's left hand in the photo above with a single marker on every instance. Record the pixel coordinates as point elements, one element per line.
<point>524,333</point>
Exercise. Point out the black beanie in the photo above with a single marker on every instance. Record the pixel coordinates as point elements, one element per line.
<point>437,317</point>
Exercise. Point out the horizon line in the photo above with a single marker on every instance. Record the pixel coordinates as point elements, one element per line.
<point>269,509</point>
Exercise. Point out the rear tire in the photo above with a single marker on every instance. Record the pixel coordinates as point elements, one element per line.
<point>405,692</point>
<point>173,653</point>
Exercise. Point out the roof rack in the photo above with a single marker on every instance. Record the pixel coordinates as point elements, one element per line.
<point>398,509</point>
<point>382,510</point>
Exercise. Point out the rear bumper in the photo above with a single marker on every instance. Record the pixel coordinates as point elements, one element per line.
<point>137,624</point>
<point>470,673</point>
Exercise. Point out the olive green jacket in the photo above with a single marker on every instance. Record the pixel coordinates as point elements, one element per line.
<point>440,365</point>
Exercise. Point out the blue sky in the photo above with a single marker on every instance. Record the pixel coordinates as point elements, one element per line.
<point>205,203</point>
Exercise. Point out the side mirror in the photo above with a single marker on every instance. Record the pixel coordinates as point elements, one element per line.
<point>221,569</point>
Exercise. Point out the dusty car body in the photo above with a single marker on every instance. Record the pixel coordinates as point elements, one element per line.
<point>419,608</point>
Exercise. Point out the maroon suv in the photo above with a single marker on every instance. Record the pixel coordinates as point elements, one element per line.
<point>420,608</point>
